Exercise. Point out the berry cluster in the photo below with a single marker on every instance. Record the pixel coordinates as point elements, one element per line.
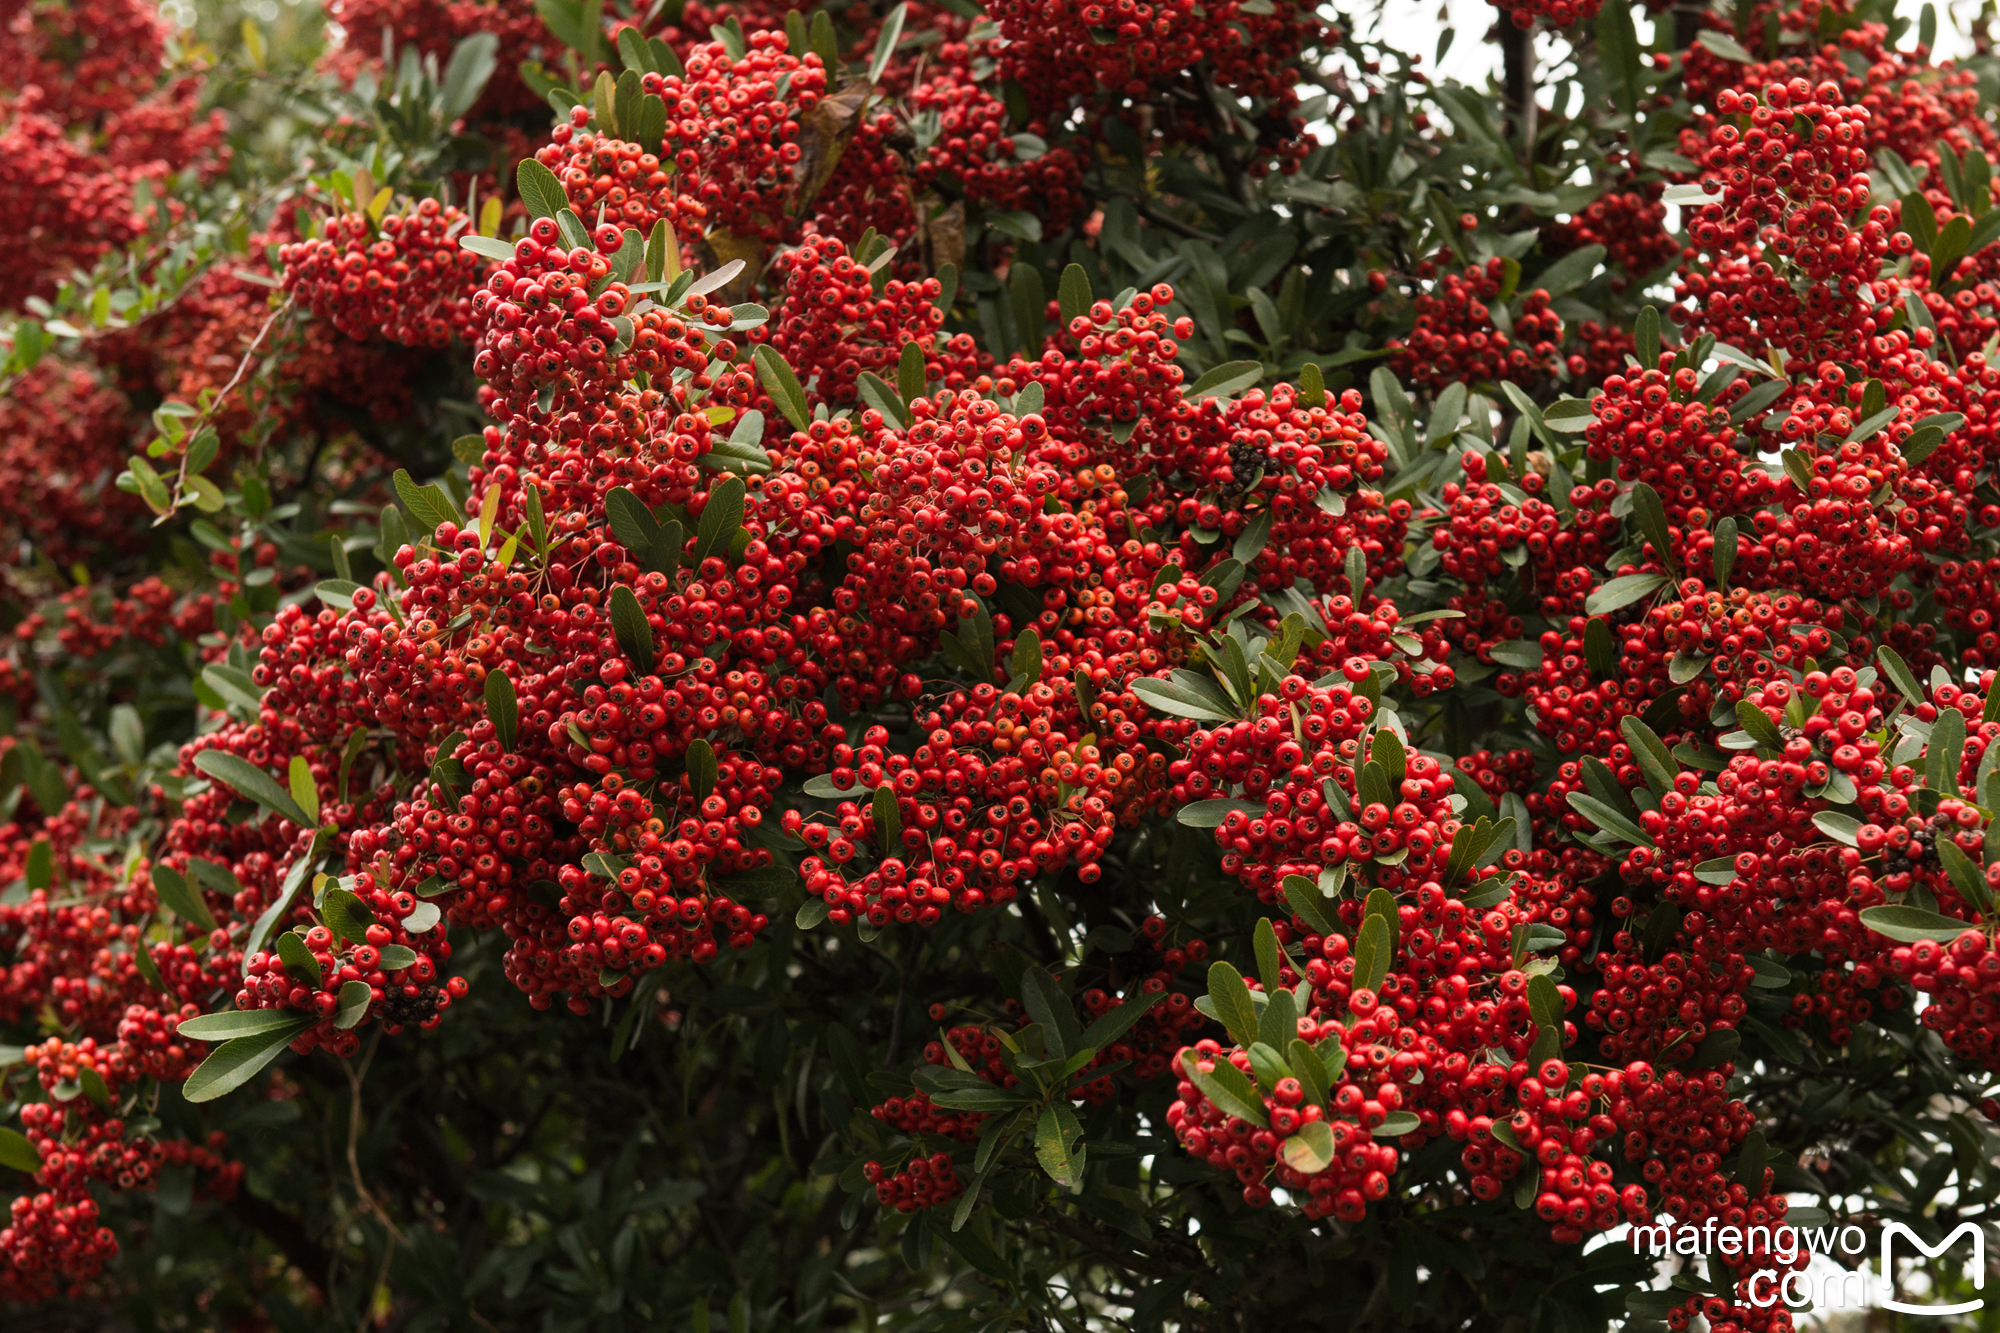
<point>405,278</point>
<point>1455,338</point>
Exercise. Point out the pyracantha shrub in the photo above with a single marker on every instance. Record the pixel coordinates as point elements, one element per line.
<point>958,667</point>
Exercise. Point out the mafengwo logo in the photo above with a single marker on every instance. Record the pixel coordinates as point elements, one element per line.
<point>1833,1285</point>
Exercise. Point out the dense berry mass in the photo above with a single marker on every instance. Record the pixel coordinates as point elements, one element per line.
<point>1262,649</point>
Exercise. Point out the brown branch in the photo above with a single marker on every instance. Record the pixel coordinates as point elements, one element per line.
<point>1172,223</point>
<point>1102,1244</point>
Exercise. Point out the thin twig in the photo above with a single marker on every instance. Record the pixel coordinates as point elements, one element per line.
<point>363,1195</point>
<point>1172,223</point>
<point>180,480</point>
<point>368,1298</point>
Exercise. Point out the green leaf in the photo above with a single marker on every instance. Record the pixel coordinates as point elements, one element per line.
<point>346,915</point>
<point>1255,536</point>
<point>1839,827</point>
<point>304,790</point>
<point>1608,819</point>
<point>782,383</point>
<point>631,522</point>
<point>1181,699</point>
<point>1899,674</point>
<point>1388,751</point>
<point>1026,659</point>
<point>298,959</point>
<point>1717,42</point>
<point>1049,1007</point>
<point>882,398</point>
<point>1921,444</point>
<point>1073,294</point>
<point>888,814</point>
<point>1234,1008</point>
<point>1652,519</point>
<point>176,894</point>
<point>1646,334</point>
<point>885,42</point>
<point>428,505</point>
<point>1750,1162</point>
<point>1907,925</point>
<point>1227,380</point>
<point>702,768</point>
<point>487,247</point>
<point>502,707</point>
<point>230,1024</point>
<point>1373,951</point>
<point>1264,942</point>
<point>1279,1022</point>
<point>1568,416</point>
<point>235,686</point>
<point>1227,1088</point>
<point>1115,1021</point>
<point>635,634</point>
<point>1623,591</point>
<point>355,995</point>
<point>1545,1002</point>
<point>539,188</point>
<point>237,1061</point>
<point>721,516</point>
<point>253,783</point>
<point>911,382</point>
<point>1029,299</point>
<point>1759,724</point>
<point>1310,1150</point>
<point>1570,272</point>
<point>16,1151</point>
<point>142,961</point>
<point>1723,555</point>
<point>1771,974</point>
<point>1967,877</point>
<point>1056,1136</point>
<point>295,878</point>
<point>1311,1070</point>
<point>1269,1067</point>
<point>1943,752</point>
<point>1303,897</point>
<point>1720,870</point>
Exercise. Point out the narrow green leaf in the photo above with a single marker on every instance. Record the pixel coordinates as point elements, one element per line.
<point>253,783</point>
<point>237,1061</point>
<point>1234,1008</point>
<point>176,894</point>
<point>635,633</point>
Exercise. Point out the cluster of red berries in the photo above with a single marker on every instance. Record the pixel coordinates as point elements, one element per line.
<point>1126,47</point>
<point>732,129</point>
<point>91,111</point>
<point>839,325</point>
<point>1775,262</point>
<point>1455,338</point>
<point>977,152</point>
<point>620,183</point>
<point>412,283</point>
<point>61,443</point>
<point>1558,13</point>
<point>1629,221</point>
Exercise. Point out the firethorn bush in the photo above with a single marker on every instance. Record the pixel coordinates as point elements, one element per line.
<point>1065,666</point>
